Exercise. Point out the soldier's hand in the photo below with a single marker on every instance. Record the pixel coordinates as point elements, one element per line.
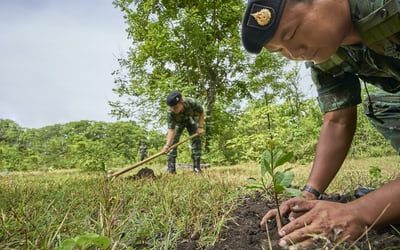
<point>286,209</point>
<point>200,131</point>
<point>165,149</point>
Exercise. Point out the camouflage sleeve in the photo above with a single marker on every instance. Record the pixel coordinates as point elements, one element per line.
<point>336,92</point>
<point>196,106</point>
<point>171,121</point>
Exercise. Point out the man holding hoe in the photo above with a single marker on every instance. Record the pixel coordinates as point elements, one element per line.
<point>184,113</point>
<point>343,42</point>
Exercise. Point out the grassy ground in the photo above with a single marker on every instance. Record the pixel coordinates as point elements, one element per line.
<point>40,210</point>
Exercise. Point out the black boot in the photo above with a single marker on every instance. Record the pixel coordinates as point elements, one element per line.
<point>196,165</point>
<point>171,166</point>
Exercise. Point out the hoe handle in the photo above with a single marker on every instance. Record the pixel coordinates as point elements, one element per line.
<point>116,174</point>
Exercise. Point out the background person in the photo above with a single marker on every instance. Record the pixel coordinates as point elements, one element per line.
<point>184,113</point>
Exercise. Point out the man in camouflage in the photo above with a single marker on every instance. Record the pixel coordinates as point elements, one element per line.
<point>184,113</point>
<point>343,42</point>
<point>143,151</point>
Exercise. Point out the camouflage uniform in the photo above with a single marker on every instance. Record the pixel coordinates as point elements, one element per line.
<point>338,79</point>
<point>143,151</point>
<point>187,119</point>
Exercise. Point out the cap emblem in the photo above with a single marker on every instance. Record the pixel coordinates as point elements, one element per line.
<point>263,17</point>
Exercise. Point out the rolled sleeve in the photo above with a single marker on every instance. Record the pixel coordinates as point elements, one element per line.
<point>171,121</point>
<point>336,92</point>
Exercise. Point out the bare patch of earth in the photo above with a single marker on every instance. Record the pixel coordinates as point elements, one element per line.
<point>244,232</point>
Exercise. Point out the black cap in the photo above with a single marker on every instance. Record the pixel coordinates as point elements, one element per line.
<point>257,31</point>
<point>173,98</point>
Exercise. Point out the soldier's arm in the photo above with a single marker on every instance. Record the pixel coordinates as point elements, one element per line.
<point>170,136</point>
<point>334,142</point>
<point>201,120</point>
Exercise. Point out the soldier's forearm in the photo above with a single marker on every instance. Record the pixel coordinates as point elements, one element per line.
<point>372,205</point>
<point>334,142</point>
<point>201,120</point>
<point>170,136</point>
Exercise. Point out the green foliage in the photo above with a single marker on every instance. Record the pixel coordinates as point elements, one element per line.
<point>375,172</point>
<point>193,46</point>
<point>85,242</point>
<point>87,145</point>
<point>281,180</point>
<point>299,131</point>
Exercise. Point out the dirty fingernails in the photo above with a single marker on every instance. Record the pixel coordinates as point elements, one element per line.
<point>282,233</point>
<point>282,243</point>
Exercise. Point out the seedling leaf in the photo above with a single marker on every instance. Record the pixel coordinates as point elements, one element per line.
<point>280,158</point>
<point>266,163</point>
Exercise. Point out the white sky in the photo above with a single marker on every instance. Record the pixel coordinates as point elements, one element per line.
<point>56,59</point>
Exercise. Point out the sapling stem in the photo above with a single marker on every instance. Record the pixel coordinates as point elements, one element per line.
<point>277,207</point>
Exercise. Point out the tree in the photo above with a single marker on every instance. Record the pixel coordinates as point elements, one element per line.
<point>193,46</point>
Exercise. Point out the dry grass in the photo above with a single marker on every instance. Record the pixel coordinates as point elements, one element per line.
<point>41,209</point>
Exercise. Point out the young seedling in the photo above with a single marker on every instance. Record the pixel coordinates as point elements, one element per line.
<point>281,180</point>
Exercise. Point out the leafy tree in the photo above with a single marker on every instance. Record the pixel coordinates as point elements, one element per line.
<point>193,46</point>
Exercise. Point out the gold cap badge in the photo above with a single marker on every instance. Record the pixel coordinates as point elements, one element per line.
<point>263,17</point>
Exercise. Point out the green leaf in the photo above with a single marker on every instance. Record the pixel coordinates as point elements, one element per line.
<point>287,178</point>
<point>92,239</point>
<point>280,158</point>
<point>255,187</point>
<point>279,188</point>
<point>292,192</point>
<point>266,163</point>
<point>67,244</point>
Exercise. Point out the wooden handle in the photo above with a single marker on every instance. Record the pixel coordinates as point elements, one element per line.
<point>116,174</point>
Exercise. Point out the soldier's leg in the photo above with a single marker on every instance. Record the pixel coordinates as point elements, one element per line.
<point>195,147</point>
<point>174,152</point>
<point>386,116</point>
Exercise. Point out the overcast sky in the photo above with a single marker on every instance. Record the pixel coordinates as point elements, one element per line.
<point>56,59</point>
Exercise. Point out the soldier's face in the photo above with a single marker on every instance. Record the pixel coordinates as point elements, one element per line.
<point>308,31</point>
<point>178,108</point>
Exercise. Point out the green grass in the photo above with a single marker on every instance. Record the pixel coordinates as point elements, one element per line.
<point>40,210</point>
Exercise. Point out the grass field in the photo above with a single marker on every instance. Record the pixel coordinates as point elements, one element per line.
<point>40,210</point>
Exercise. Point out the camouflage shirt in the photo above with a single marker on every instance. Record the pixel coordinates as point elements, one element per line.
<point>341,89</point>
<point>190,114</point>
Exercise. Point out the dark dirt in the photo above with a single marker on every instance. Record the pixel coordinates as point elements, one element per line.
<point>143,173</point>
<point>244,233</point>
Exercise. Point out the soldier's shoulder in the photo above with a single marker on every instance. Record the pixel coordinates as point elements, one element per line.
<point>191,100</point>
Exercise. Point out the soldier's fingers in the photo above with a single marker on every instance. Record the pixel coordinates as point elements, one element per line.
<point>297,236</point>
<point>268,216</point>
<point>295,224</point>
<point>294,215</point>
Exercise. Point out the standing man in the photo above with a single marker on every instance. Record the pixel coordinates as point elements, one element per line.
<point>344,41</point>
<point>143,151</point>
<point>184,113</point>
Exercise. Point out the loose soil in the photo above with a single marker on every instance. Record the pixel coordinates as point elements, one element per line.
<point>142,174</point>
<point>244,233</point>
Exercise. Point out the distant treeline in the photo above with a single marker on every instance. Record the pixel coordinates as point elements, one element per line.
<point>239,136</point>
<point>88,145</point>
